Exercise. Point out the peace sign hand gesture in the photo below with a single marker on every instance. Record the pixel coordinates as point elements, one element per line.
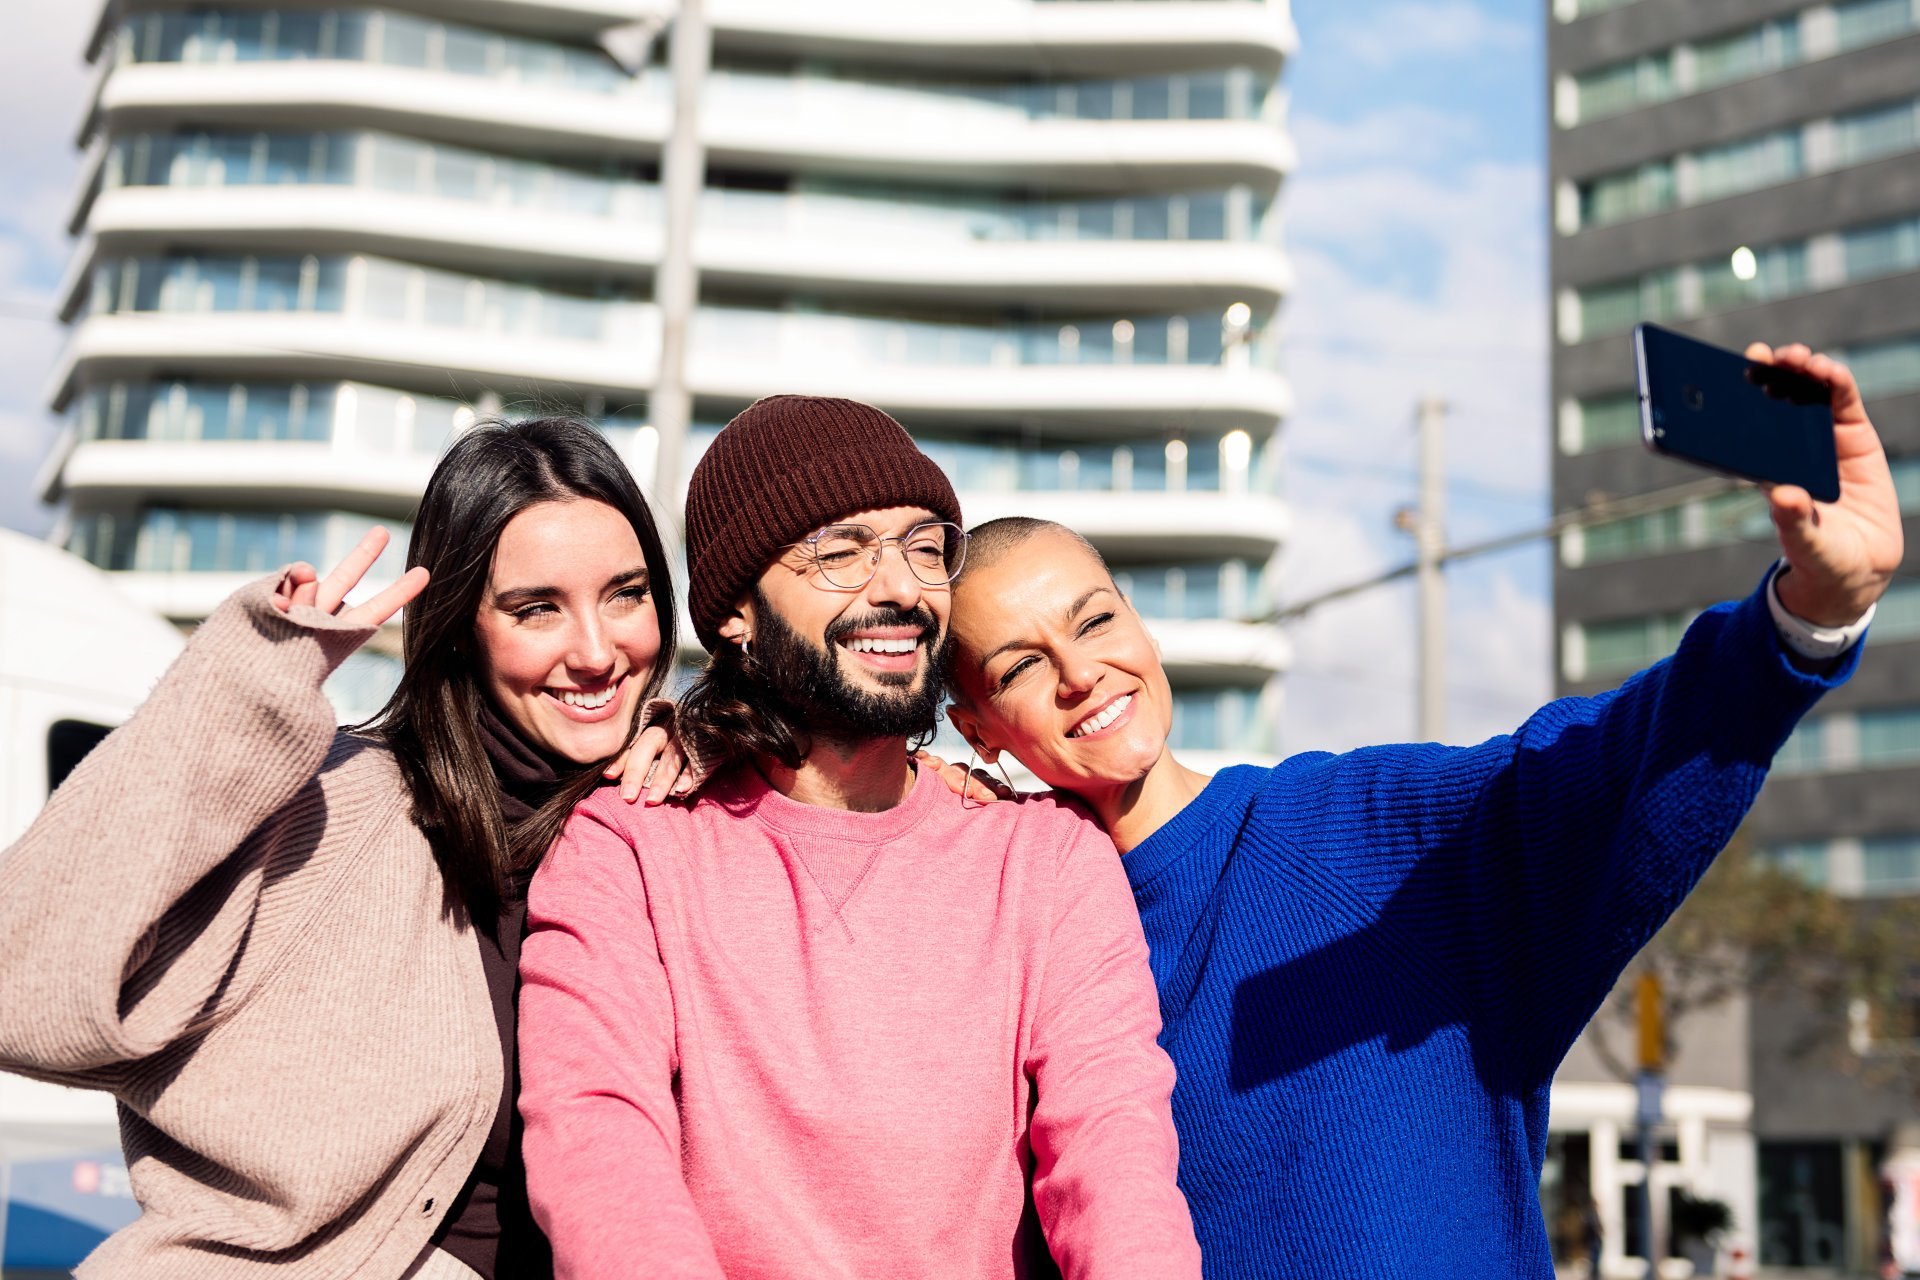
<point>303,585</point>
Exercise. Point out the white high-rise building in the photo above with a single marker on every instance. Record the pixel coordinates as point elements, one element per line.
<point>315,242</point>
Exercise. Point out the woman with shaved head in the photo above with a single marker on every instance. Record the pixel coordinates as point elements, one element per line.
<point>1370,964</point>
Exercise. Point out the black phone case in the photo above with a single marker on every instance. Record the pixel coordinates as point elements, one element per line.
<point>1715,408</point>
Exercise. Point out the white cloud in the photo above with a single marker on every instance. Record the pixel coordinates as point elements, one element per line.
<point>1386,133</point>
<point>44,84</point>
<point>1451,29</point>
<point>1413,282</point>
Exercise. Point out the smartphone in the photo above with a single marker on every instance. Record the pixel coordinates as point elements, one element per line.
<point>1715,408</point>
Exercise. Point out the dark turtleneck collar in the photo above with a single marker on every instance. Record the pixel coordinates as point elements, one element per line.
<point>528,776</point>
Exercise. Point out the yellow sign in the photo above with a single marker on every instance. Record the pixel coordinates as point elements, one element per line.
<point>1653,1031</point>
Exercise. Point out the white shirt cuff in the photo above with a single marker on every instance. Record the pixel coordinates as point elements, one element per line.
<point>1814,643</point>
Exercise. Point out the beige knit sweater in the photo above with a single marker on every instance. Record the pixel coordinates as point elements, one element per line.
<point>226,918</point>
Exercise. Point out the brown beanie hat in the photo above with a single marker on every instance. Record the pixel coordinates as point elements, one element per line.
<point>785,467</point>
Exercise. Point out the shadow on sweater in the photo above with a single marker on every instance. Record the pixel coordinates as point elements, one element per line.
<point>1492,888</point>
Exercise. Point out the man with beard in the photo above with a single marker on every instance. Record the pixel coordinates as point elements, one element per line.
<point>827,1020</point>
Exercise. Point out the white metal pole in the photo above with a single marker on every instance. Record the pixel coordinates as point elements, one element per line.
<point>676,288</point>
<point>1430,534</point>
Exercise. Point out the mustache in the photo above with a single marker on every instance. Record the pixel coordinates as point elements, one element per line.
<point>919,616</point>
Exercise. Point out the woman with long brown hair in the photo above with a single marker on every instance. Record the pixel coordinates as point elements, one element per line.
<point>289,950</point>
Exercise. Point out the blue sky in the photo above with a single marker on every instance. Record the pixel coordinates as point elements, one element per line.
<point>1416,221</point>
<point>1417,225</point>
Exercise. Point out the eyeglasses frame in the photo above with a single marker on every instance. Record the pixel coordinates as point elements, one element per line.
<point>811,543</point>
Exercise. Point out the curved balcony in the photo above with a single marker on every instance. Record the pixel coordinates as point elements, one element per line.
<point>367,319</point>
<point>1011,34</point>
<point>183,563</point>
<point>1131,525</point>
<point>1215,650</point>
<point>989,134</point>
<point>319,192</point>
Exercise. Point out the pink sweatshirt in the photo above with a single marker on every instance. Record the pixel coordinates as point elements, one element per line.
<point>761,1038</point>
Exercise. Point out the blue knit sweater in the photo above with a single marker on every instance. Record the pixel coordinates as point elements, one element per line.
<point>1371,964</point>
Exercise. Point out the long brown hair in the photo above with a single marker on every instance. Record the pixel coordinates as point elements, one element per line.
<point>494,471</point>
<point>730,714</point>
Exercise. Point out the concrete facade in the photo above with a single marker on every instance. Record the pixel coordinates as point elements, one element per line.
<point>314,244</point>
<point>1813,71</point>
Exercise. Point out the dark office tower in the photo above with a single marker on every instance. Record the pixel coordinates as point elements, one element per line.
<point>1739,170</point>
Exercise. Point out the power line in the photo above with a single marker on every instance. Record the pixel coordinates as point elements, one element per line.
<point>1600,512</point>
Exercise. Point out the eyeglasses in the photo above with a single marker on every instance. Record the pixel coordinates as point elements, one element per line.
<point>848,555</point>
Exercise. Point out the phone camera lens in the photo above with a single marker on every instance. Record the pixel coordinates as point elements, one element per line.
<point>1695,398</point>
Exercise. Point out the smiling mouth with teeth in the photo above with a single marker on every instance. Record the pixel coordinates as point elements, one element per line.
<point>864,644</point>
<point>1104,717</point>
<point>586,701</point>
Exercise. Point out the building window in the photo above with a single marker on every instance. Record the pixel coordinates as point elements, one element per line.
<point>1739,515</point>
<point>1743,54</point>
<point>1883,131</point>
<point>165,540</point>
<point>68,742</point>
<point>1623,645</point>
<point>1889,736</point>
<point>1764,273</point>
<point>1747,165</point>
<point>1623,86</point>
<point>1218,720</point>
<point>1804,860</point>
<point>1890,864</point>
<point>374,36</point>
<point>1898,615</point>
<point>1603,422</point>
<point>1864,22</point>
<point>1737,55</point>
<point>1805,750</point>
<point>1888,368</point>
<point>1615,197</point>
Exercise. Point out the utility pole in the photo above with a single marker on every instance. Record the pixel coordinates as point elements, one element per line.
<point>1427,522</point>
<point>676,286</point>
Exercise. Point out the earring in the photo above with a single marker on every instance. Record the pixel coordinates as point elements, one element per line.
<point>964,788</point>
<point>746,650</point>
<point>972,755</point>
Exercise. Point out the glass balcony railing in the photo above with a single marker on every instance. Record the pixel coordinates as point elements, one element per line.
<point>369,288</point>
<point>352,417</point>
<point>361,418</point>
<point>381,289</point>
<point>839,212</point>
<point>403,40</point>
<point>363,35</point>
<point>164,540</point>
<point>1188,463</point>
<point>1228,719</point>
<point>850,341</point>
<point>1231,589</point>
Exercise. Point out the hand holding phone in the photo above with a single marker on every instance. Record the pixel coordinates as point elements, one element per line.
<point>1841,552</point>
<point>1840,556</point>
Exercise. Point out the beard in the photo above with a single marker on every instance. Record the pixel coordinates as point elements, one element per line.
<point>831,705</point>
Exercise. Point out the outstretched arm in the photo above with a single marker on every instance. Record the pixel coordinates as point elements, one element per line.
<point>1531,868</point>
